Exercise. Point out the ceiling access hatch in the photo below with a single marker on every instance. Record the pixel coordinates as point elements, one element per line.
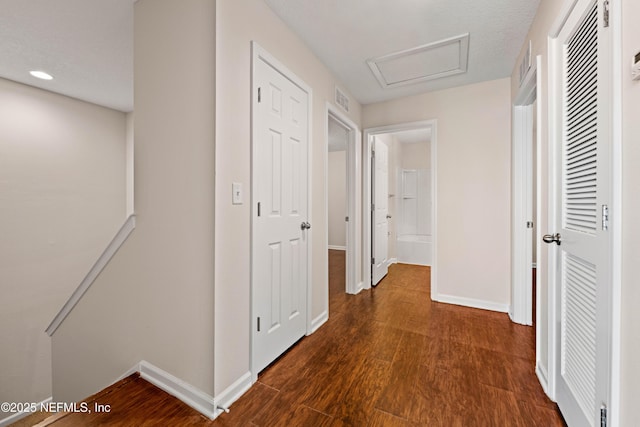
<point>423,63</point>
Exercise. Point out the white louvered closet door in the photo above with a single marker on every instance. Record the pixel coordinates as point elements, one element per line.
<point>583,263</point>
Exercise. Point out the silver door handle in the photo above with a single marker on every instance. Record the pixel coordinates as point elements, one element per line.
<point>305,226</point>
<point>550,238</point>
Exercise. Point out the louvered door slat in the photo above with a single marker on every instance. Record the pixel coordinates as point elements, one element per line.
<point>581,68</point>
<point>580,131</point>
<point>581,165</point>
<point>581,128</point>
<point>582,150</point>
<point>579,337</point>
<point>585,116</point>
<point>584,83</point>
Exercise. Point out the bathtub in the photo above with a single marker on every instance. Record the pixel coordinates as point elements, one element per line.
<point>414,249</point>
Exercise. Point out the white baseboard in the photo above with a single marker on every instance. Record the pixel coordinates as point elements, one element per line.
<point>473,303</point>
<point>20,415</point>
<point>541,373</point>
<point>337,248</point>
<point>414,263</point>
<point>181,390</point>
<point>319,321</point>
<point>392,261</point>
<point>359,287</point>
<point>197,399</point>
<point>232,393</point>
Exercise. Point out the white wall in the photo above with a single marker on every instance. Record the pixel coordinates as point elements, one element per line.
<point>240,22</point>
<point>337,197</point>
<point>415,214</point>
<point>155,300</point>
<point>130,164</point>
<point>161,282</point>
<point>62,199</point>
<point>473,194</point>
<point>416,155</point>
<point>630,410</point>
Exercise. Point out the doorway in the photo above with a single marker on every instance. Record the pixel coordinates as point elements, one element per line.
<point>527,297</point>
<point>526,204</point>
<point>341,197</point>
<point>409,218</point>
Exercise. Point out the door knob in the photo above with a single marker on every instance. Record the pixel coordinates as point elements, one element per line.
<point>305,226</point>
<point>388,216</point>
<point>550,238</point>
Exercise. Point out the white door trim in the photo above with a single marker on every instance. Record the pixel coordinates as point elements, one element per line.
<point>257,54</point>
<point>366,195</point>
<point>521,193</point>
<point>616,213</point>
<point>521,292</point>
<point>353,172</point>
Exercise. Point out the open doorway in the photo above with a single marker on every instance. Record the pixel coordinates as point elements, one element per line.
<point>526,205</point>
<point>526,294</point>
<point>400,193</point>
<point>341,194</point>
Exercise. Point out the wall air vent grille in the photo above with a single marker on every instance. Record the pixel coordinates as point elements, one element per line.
<point>342,100</point>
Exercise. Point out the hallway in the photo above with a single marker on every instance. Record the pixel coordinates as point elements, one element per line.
<point>391,357</point>
<point>386,357</point>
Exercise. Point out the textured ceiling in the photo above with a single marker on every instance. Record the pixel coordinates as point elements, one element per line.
<point>344,34</point>
<point>87,45</point>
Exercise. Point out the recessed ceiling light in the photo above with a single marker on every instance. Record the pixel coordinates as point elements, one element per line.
<point>41,75</point>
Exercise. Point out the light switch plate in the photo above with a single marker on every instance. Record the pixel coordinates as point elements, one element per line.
<point>236,188</point>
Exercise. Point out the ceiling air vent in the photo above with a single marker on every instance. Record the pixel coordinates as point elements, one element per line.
<point>342,99</point>
<point>423,63</point>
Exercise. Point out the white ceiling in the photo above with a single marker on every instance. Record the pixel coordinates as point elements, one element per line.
<point>344,34</point>
<point>87,45</point>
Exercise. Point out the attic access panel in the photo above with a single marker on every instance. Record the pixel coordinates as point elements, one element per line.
<point>423,63</point>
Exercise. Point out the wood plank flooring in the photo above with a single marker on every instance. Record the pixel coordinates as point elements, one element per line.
<point>386,357</point>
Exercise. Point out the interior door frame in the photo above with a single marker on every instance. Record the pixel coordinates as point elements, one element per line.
<point>367,140</point>
<point>554,121</point>
<point>353,171</point>
<point>522,194</point>
<point>260,54</point>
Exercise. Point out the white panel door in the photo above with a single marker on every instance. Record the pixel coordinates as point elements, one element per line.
<point>583,257</point>
<point>380,239</point>
<point>280,233</point>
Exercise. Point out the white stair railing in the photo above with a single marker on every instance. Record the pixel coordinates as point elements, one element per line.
<point>120,237</point>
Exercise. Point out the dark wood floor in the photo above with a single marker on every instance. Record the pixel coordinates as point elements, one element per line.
<point>386,357</point>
